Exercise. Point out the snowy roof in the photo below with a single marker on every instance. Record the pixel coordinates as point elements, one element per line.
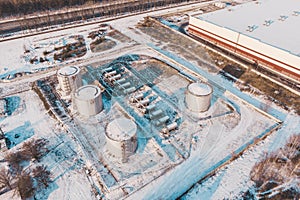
<point>68,71</point>
<point>275,22</point>
<point>121,129</point>
<point>87,92</point>
<point>200,89</point>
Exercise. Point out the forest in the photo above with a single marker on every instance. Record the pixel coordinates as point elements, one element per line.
<point>38,14</point>
<point>276,176</point>
<point>24,7</point>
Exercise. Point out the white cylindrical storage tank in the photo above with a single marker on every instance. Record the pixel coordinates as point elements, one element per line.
<point>69,79</point>
<point>121,137</point>
<point>198,97</point>
<point>88,100</point>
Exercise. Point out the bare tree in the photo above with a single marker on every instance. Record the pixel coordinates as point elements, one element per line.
<point>16,159</point>
<point>35,148</point>
<point>276,174</point>
<point>6,179</point>
<point>42,176</point>
<point>25,187</point>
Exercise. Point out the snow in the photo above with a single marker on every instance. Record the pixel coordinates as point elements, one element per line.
<point>200,89</point>
<point>233,179</point>
<point>121,129</point>
<point>12,103</point>
<point>17,59</point>
<point>72,185</point>
<point>62,160</point>
<point>68,71</point>
<point>221,84</point>
<point>11,52</point>
<point>217,143</point>
<point>18,135</point>
<point>280,33</point>
<point>10,195</point>
<point>87,92</point>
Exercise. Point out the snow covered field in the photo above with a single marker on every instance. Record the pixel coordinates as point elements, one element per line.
<point>31,121</point>
<point>36,53</point>
<point>234,179</point>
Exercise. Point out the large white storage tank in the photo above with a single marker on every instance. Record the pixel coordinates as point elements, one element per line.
<point>198,97</point>
<point>69,79</point>
<point>121,137</point>
<point>88,100</point>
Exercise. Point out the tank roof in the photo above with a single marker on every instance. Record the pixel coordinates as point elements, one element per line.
<point>200,89</point>
<point>121,129</point>
<point>87,92</point>
<point>68,71</point>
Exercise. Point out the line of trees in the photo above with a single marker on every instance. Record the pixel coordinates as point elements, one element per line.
<point>13,7</point>
<point>24,7</point>
<point>277,175</point>
<point>85,9</point>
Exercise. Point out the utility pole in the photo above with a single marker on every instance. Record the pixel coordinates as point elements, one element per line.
<point>1,134</point>
<point>2,139</point>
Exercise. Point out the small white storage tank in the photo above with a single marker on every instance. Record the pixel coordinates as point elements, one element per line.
<point>69,79</point>
<point>121,137</point>
<point>88,100</point>
<point>198,97</point>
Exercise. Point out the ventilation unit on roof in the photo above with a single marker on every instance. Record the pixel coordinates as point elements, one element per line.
<point>251,28</point>
<point>296,13</point>
<point>283,17</point>
<point>268,22</point>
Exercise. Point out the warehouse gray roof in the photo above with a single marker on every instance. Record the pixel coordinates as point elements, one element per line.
<point>275,22</point>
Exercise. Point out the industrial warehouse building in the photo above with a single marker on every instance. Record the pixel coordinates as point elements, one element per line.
<point>264,32</point>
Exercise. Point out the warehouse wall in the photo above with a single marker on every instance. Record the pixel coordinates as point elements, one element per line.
<point>276,59</point>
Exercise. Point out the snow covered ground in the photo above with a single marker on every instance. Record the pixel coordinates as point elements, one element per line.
<point>216,144</point>
<point>234,178</point>
<point>31,121</point>
<point>27,55</point>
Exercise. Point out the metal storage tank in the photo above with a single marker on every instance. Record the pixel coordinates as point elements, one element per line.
<point>121,137</point>
<point>198,97</point>
<point>88,100</point>
<point>69,79</point>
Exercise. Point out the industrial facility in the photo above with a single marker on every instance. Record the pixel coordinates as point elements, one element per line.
<point>141,124</point>
<point>148,112</point>
<point>69,79</point>
<point>266,33</point>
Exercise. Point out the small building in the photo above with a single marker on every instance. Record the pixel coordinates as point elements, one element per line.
<point>121,138</point>
<point>88,100</point>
